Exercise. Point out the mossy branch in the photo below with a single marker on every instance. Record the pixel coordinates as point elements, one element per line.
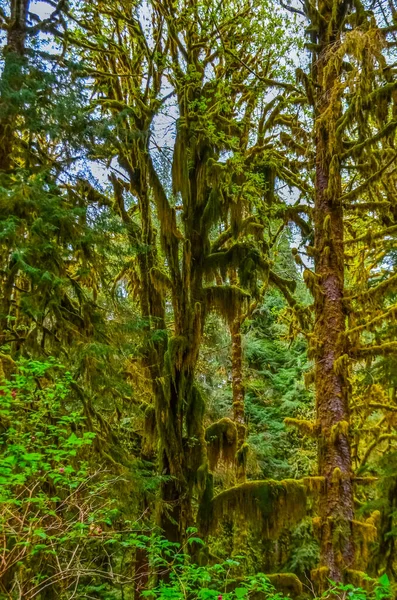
<point>309,428</point>
<point>374,350</point>
<point>364,186</point>
<point>272,505</point>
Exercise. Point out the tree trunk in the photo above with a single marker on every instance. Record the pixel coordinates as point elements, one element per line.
<point>238,397</point>
<point>10,82</point>
<point>13,54</point>
<point>332,404</point>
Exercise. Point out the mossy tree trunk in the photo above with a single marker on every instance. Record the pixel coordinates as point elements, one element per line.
<point>238,396</point>
<point>332,403</point>
<point>11,82</point>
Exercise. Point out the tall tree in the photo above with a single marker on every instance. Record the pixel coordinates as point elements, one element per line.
<point>352,151</point>
<point>221,163</point>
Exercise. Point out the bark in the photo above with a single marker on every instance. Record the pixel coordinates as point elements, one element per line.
<point>13,55</point>
<point>332,404</point>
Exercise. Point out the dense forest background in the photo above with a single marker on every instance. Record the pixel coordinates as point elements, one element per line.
<point>198,271</point>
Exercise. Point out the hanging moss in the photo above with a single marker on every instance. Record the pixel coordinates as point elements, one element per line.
<point>340,429</point>
<point>221,440</point>
<point>177,347</point>
<point>212,210</point>
<point>150,428</point>
<point>197,454</point>
<point>341,363</point>
<point>226,300</point>
<point>242,455</point>
<point>309,428</point>
<point>160,280</point>
<point>7,366</point>
<point>364,535</point>
<point>314,484</point>
<point>270,505</point>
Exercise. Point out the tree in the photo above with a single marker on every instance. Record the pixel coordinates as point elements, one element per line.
<point>350,89</point>
<point>220,167</point>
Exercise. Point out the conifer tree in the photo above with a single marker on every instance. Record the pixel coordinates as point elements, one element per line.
<point>350,88</point>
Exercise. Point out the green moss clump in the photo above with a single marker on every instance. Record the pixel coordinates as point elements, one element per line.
<point>309,428</point>
<point>221,438</point>
<point>358,579</point>
<point>320,577</point>
<point>340,429</point>
<point>242,455</point>
<point>288,583</point>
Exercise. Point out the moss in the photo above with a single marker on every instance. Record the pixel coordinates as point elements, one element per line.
<point>7,366</point>
<point>270,505</point>
<point>160,280</point>
<point>364,535</point>
<point>320,577</point>
<point>336,475</point>
<point>309,377</point>
<point>374,518</point>
<point>177,347</point>
<point>357,578</point>
<point>340,364</point>
<point>197,452</point>
<point>226,300</point>
<point>221,440</point>
<point>375,350</point>
<point>309,428</point>
<point>287,583</point>
<point>314,484</point>
<point>242,455</point>
<point>150,429</point>
<point>317,522</point>
<point>204,514</point>
<point>365,480</point>
<point>340,429</point>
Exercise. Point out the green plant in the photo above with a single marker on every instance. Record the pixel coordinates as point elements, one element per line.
<point>53,504</point>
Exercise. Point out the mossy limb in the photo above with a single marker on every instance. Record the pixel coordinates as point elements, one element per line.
<point>270,505</point>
